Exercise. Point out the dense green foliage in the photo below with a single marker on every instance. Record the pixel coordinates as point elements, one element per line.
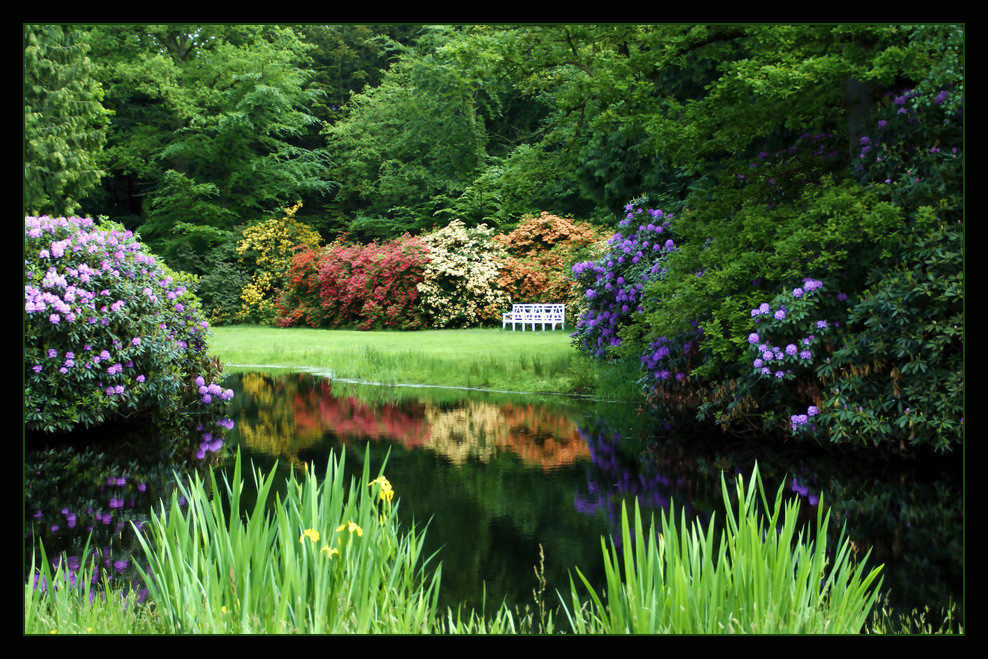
<point>64,120</point>
<point>783,153</point>
<point>206,129</point>
<point>824,155</point>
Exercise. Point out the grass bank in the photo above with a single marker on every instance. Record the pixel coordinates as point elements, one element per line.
<point>539,361</point>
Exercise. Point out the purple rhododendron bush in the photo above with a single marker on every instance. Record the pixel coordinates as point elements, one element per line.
<point>111,333</point>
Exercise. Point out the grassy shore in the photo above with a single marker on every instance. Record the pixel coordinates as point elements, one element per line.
<point>539,361</point>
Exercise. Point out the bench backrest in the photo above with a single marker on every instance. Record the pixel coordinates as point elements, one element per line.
<point>538,311</point>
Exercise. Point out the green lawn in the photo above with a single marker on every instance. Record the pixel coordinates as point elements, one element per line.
<point>539,361</point>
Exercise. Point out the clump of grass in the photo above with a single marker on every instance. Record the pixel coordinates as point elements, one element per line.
<point>926,621</point>
<point>761,577</point>
<point>63,601</point>
<point>328,559</point>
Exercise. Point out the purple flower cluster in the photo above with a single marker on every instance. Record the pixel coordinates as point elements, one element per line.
<point>211,440</point>
<point>770,360</point>
<point>801,422</point>
<point>614,284</point>
<point>212,389</point>
<point>209,444</point>
<point>777,363</point>
<point>667,362</point>
<point>96,312</point>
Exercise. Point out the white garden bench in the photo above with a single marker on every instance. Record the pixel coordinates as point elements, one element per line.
<point>545,314</point>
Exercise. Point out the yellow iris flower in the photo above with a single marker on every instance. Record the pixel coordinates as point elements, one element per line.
<point>387,492</point>
<point>352,527</point>
<point>330,551</point>
<point>311,534</point>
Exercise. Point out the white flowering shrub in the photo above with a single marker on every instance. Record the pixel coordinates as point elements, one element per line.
<point>460,288</point>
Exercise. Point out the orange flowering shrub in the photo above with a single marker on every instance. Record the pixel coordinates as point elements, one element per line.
<point>540,253</point>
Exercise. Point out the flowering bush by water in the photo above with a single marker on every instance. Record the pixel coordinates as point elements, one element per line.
<point>110,332</point>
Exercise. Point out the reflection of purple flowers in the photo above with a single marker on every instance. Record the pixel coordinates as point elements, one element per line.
<point>614,477</point>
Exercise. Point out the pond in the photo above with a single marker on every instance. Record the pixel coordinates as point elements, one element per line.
<point>509,484</point>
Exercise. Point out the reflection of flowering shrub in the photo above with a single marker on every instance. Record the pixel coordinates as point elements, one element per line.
<point>619,473</point>
<point>460,286</point>
<point>110,332</point>
<point>268,247</point>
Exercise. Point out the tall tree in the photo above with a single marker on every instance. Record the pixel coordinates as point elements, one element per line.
<point>408,145</point>
<point>64,120</point>
<point>210,123</point>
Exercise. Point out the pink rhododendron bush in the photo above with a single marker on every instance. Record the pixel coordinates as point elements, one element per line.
<point>363,286</point>
<point>111,333</point>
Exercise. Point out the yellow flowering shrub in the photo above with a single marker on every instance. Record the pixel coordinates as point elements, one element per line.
<point>460,288</point>
<point>267,248</point>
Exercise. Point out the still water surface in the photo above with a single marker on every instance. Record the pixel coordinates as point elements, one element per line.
<point>498,477</point>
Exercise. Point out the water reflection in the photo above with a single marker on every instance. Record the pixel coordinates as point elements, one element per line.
<point>496,476</point>
<point>294,414</point>
<point>97,489</point>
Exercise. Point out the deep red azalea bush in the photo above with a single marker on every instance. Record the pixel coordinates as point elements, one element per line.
<point>362,286</point>
<point>110,332</point>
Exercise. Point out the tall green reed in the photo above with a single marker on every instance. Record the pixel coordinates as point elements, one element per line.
<point>326,558</point>
<point>65,601</point>
<point>761,577</point>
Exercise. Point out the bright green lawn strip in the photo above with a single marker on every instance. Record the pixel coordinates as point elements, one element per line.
<point>488,358</point>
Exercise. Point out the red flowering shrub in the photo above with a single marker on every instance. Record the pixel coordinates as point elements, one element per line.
<point>298,303</point>
<point>364,286</point>
<point>541,252</point>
